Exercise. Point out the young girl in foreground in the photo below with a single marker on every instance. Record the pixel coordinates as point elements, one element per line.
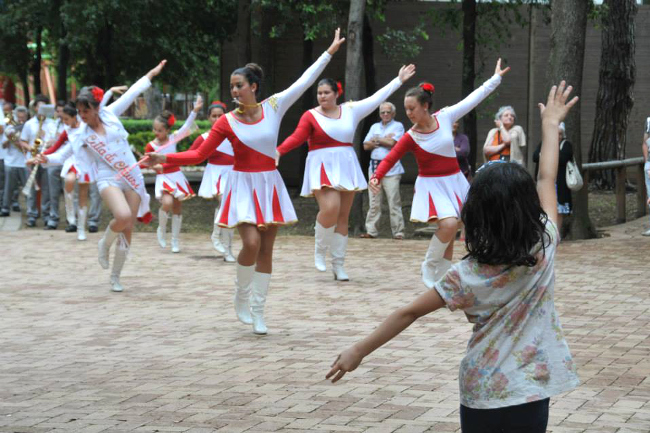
<point>172,187</point>
<point>517,356</point>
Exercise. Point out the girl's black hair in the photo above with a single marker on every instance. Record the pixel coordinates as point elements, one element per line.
<point>329,82</point>
<point>86,98</point>
<point>163,118</point>
<point>503,217</point>
<point>253,73</point>
<point>70,109</point>
<point>421,95</point>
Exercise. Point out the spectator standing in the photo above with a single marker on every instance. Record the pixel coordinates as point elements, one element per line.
<point>461,144</point>
<point>507,140</point>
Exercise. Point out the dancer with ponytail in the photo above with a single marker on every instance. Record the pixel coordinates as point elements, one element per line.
<point>219,166</point>
<point>332,172</point>
<point>172,187</point>
<point>440,188</point>
<point>103,136</point>
<point>256,199</point>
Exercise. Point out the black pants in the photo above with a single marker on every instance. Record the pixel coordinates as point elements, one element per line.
<point>524,418</point>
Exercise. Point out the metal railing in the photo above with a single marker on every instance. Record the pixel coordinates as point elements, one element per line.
<point>621,172</point>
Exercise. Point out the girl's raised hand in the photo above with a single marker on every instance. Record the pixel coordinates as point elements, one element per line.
<point>557,107</point>
<point>155,71</point>
<point>373,185</point>
<point>198,104</point>
<point>498,69</point>
<point>406,72</point>
<point>347,361</point>
<point>336,43</point>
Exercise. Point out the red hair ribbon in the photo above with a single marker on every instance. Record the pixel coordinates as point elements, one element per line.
<point>98,94</point>
<point>339,89</point>
<point>171,121</point>
<point>428,87</point>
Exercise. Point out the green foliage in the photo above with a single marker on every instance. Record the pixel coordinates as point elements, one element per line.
<point>317,18</point>
<point>401,46</point>
<point>140,133</point>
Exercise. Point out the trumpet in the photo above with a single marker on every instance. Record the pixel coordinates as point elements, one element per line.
<point>12,138</point>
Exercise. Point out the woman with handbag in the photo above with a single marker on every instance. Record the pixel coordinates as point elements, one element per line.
<point>564,202</point>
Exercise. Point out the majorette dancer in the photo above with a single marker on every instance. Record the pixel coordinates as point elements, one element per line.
<point>172,187</point>
<point>214,180</point>
<point>332,171</point>
<point>81,168</point>
<point>440,188</point>
<point>126,196</point>
<point>256,197</point>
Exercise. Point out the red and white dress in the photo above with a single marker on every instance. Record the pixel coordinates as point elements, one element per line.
<point>332,161</point>
<point>440,188</point>
<point>79,162</point>
<point>172,180</point>
<point>255,193</point>
<point>219,166</point>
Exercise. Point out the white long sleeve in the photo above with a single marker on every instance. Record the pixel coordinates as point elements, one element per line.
<point>60,155</point>
<point>118,107</point>
<point>460,109</point>
<point>287,97</point>
<point>184,130</point>
<point>361,109</point>
<point>107,97</point>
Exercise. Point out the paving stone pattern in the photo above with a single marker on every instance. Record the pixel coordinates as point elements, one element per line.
<point>168,355</point>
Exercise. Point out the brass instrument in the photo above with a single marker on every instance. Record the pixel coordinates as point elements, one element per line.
<point>36,149</point>
<point>13,137</point>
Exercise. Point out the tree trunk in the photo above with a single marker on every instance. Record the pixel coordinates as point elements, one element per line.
<point>532,24</point>
<point>614,100</point>
<point>36,68</point>
<point>265,51</point>
<point>24,80</point>
<point>567,47</point>
<point>353,80</point>
<point>243,37</point>
<point>371,87</point>
<point>307,103</point>
<point>469,75</point>
<point>62,70</point>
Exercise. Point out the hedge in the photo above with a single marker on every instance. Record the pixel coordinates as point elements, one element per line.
<point>141,133</point>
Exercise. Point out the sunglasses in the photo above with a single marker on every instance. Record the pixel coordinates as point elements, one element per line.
<point>385,112</point>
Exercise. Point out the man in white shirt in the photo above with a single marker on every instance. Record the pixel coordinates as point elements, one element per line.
<point>380,139</point>
<point>646,167</point>
<point>54,180</point>
<point>32,130</point>
<point>15,168</point>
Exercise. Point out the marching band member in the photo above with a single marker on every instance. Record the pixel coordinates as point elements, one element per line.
<point>15,163</point>
<point>219,166</point>
<point>103,136</point>
<point>256,199</point>
<point>332,171</point>
<point>441,188</point>
<point>172,187</point>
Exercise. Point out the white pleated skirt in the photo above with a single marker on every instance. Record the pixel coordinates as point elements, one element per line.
<point>436,198</point>
<point>258,198</point>
<point>175,184</point>
<point>86,173</point>
<point>333,167</point>
<point>69,165</point>
<point>214,180</point>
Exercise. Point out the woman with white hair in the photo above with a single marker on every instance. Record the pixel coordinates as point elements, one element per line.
<point>506,141</point>
<point>564,202</point>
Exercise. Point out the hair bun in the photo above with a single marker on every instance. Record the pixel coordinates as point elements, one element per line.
<point>428,87</point>
<point>255,69</point>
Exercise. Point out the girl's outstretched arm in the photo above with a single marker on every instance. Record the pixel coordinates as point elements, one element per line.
<point>552,113</point>
<point>394,324</point>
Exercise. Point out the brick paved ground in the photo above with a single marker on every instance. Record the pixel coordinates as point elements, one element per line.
<point>168,355</point>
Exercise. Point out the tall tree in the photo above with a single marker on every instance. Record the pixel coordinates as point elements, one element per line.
<point>617,74</point>
<point>567,45</point>
<point>353,83</point>
<point>469,73</point>
<point>244,50</point>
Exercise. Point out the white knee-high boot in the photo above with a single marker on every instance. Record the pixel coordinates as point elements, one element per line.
<point>68,198</point>
<point>104,246</point>
<point>338,249</point>
<point>226,241</point>
<point>119,258</point>
<point>322,241</point>
<point>243,293</point>
<point>260,288</point>
<point>177,222</point>
<point>216,235</point>
<point>434,265</point>
<point>81,227</point>
<point>162,227</point>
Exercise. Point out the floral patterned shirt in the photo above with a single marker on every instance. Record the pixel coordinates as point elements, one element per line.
<point>517,353</point>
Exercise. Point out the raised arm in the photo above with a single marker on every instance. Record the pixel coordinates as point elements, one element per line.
<point>118,107</point>
<point>404,145</point>
<point>299,136</point>
<point>361,109</point>
<point>473,99</point>
<point>287,97</point>
<point>186,129</point>
<point>552,114</point>
<point>59,142</point>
